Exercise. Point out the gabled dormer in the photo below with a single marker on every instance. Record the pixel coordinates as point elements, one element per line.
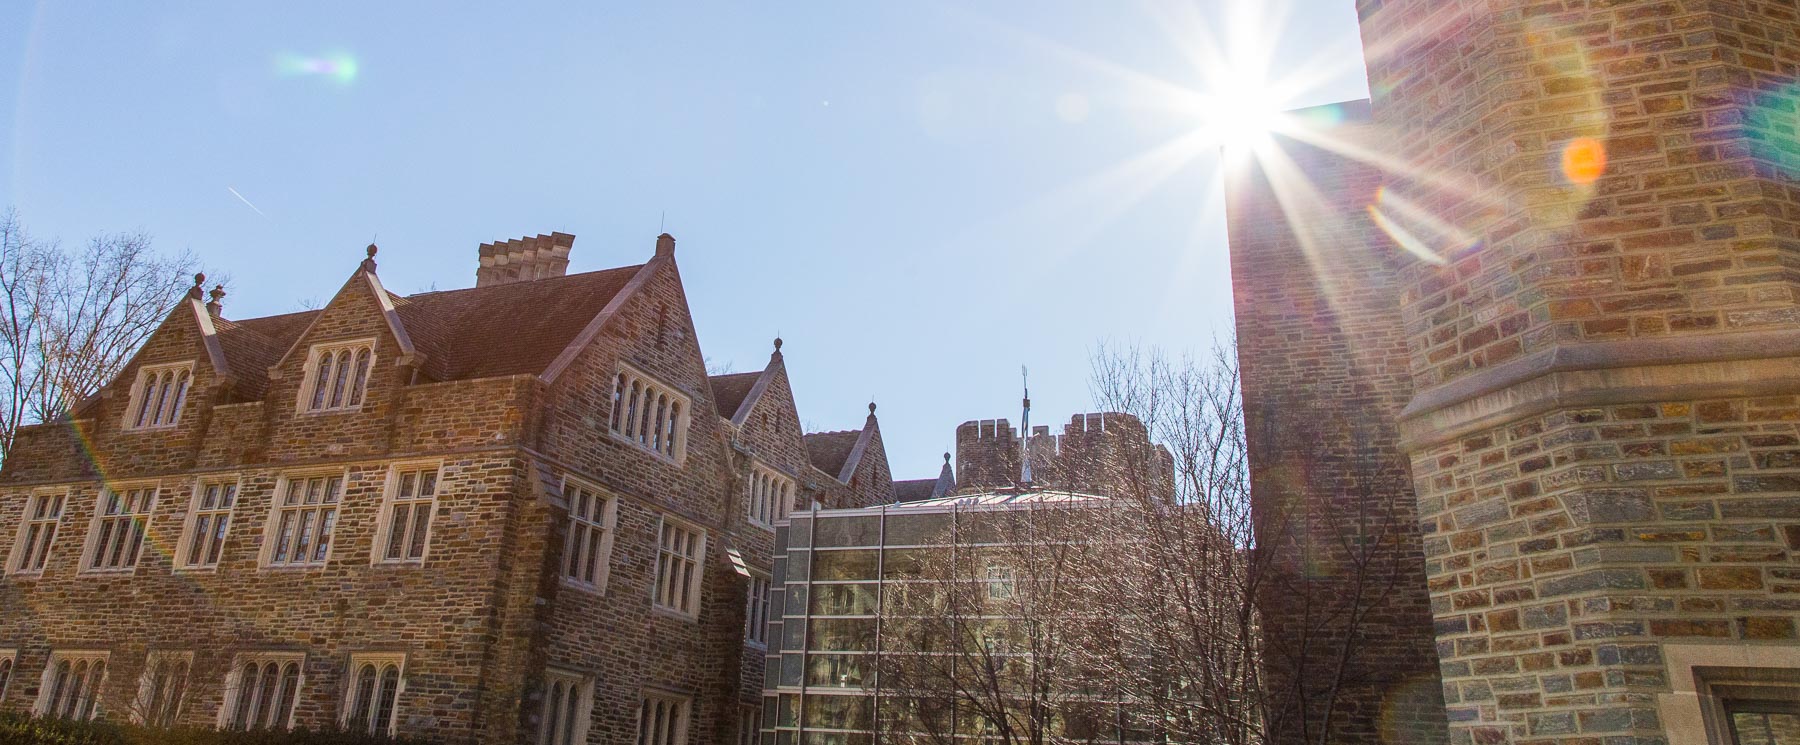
<point>856,460</point>
<point>764,427</point>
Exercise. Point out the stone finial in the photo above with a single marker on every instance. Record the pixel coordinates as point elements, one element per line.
<point>665,245</point>
<point>195,292</point>
<point>946,459</point>
<point>216,303</point>
<point>368,264</point>
<point>871,408</point>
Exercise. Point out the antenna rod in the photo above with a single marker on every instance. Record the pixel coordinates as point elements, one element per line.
<point>1025,437</point>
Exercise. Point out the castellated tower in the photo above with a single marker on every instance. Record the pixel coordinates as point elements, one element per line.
<point>1100,453</point>
<point>1585,366</point>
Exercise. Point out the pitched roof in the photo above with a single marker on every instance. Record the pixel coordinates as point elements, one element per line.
<point>730,391</point>
<point>829,451</point>
<point>508,329</point>
<point>914,490</point>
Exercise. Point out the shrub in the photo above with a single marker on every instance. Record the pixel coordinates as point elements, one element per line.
<point>20,729</point>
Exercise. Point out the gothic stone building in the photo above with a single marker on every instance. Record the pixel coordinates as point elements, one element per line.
<point>1578,396</point>
<point>520,512</point>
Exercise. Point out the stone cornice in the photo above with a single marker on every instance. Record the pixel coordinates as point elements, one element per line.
<point>1603,374</point>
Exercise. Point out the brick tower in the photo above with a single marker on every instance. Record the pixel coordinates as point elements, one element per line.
<point>1594,346</point>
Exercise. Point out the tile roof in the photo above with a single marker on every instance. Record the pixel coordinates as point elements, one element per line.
<point>914,490</point>
<point>729,391</point>
<point>828,451</point>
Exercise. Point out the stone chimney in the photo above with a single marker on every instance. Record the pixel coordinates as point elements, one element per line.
<point>524,259</point>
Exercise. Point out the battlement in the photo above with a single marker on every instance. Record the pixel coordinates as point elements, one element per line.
<point>985,429</point>
<point>989,451</point>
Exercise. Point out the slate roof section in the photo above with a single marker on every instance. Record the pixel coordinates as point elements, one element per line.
<point>915,490</point>
<point>829,451</point>
<point>731,391</point>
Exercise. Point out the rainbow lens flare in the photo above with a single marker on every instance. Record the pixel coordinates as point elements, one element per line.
<point>338,67</point>
<point>1773,125</point>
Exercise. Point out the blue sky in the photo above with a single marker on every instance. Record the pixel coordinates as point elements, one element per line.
<point>919,197</point>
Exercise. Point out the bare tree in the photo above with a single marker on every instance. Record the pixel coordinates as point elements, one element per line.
<point>72,318</point>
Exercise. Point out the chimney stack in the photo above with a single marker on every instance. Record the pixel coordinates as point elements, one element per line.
<point>524,259</point>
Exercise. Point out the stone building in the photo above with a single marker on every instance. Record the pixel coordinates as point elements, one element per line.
<point>1551,328</point>
<point>520,512</point>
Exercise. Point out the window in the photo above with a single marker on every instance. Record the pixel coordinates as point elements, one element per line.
<point>756,615</point>
<point>260,691</point>
<point>337,376</point>
<point>749,724</point>
<point>204,537</point>
<point>411,494</point>
<point>303,520</point>
<point>588,547</point>
<point>650,414</point>
<point>1764,722</point>
<point>9,660</point>
<point>771,496</point>
<point>662,720</point>
<point>163,689</point>
<point>375,684</point>
<point>568,702</point>
<point>118,534</point>
<point>999,582</point>
<point>678,567</point>
<point>32,551</point>
<point>157,396</point>
<point>71,685</point>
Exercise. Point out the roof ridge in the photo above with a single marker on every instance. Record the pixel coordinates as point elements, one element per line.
<point>537,282</point>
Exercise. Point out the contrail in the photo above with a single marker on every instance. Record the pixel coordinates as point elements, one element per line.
<point>234,192</point>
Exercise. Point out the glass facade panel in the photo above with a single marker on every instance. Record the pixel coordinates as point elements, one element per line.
<point>850,530</point>
<point>855,564</point>
<point>844,600</point>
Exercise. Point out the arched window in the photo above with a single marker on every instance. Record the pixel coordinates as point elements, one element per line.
<point>567,701</point>
<point>263,691</point>
<point>360,379</point>
<point>158,396</point>
<point>375,685</point>
<point>649,414</point>
<point>163,687</point>
<point>6,670</point>
<point>338,377</point>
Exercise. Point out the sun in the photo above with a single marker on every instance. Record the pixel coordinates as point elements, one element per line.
<point>1243,116</point>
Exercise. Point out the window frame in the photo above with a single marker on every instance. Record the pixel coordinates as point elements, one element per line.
<point>266,554</point>
<point>141,713</point>
<point>16,558</point>
<point>618,422</point>
<point>749,723</point>
<point>692,611</point>
<point>191,520</point>
<point>91,542</point>
<point>380,660</point>
<point>752,604</point>
<point>608,526</point>
<point>547,720</point>
<point>93,687</point>
<point>184,373</point>
<point>684,706</point>
<point>234,685</point>
<point>9,669</point>
<point>779,506</point>
<point>310,373</point>
<point>390,492</point>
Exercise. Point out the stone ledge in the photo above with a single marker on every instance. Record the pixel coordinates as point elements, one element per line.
<point>1635,371</point>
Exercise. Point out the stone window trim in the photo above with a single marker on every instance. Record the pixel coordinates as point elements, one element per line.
<point>39,528</point>
<point>1694,711</point>
<point>76,694</point>
<point>236,687</point>
<point>163,687</point>
<point>270,536</point>
<point>9,668</point>
<point>158,395</point>
<point>667,411</point>
<point>588,543</point>
<point>119,529</point>
<point>769,496</point>
<point>197,552</point>
<point>382,550</point>
<point>350,364</point>
<point>663,717</point>
<point>749,724</point>
<point>680,569</point>
<point>361,710</point>
<point>568,707</point>
<point>756,609</point>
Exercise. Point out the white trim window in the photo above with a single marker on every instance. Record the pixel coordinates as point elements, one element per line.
<point>209,518</point>
<point>749,724</point>
<point>771,496</point>
<point>406,516</point>
<point>37,532</point>
<point>71,685</point>
<point>158,395</point>
<point>680,559</point>
<point>337,376</point>
<point>376,681</point>
<point>9,664</point>
<point>663,719</point>
<point>649,414</point>
<point>260,691</point>
<point>756,610</point>
<point>587,550</point>
<point>116,538</point>
<point>1000,582</point>
<point>302,520</point>
<point>568,706</point>
<point>163,688</point>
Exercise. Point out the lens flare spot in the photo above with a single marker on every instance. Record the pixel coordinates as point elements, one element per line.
<point>337,67</point>
<point>1584,161</point>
